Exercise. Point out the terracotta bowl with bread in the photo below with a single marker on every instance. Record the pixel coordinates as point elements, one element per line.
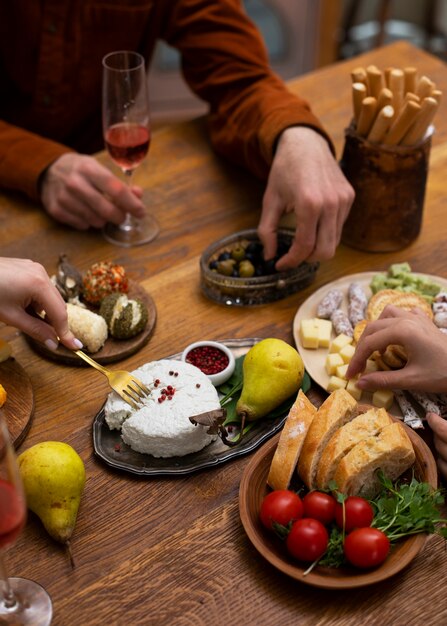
<point>345,442</point>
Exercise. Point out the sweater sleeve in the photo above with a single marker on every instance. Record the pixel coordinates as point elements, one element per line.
<point>23,157</point>
<point>224,61</point>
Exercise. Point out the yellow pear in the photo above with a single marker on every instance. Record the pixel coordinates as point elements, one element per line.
<point>272,371</point>
<point>53,476</point>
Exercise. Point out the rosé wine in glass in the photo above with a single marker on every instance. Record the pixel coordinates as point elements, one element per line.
<point>127,134</point>
<point>22,601</point>
<point>127,143</point>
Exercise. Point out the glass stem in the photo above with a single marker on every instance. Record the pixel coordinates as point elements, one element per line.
<point>128,223</point>
<point>9,599</point>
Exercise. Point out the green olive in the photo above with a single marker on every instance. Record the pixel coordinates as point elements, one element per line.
<point>238,253</point>
<point>226,267</point>
<point>246,269</point>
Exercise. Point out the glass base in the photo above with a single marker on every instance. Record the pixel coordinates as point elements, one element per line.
<point>33,606</point>
<point>132,232</point>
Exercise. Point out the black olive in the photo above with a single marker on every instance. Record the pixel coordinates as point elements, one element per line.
<point>224,256</point>
<point>213,265</point>
<point>259,271</point>
<point>254,247</point>
<point>283,248</point>
<point>269,266</point>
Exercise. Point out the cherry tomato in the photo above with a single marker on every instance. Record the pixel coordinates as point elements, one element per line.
<point>307,539</point>
<point>358,513</point>
<point>320,506</point>
<point>280,506</point>
<point>366,547</point>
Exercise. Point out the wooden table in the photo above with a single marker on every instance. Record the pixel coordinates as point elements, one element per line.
<point>172,550</point>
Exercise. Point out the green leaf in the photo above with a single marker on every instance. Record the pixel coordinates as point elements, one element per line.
<point>408,508</point>
<point>334,555</point>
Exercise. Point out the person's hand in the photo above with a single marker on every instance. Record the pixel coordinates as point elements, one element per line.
<point>307,180</point>
<point>25,284</point>
<point>78,191</point>
<point>424,343</point>
<point>439,428</point>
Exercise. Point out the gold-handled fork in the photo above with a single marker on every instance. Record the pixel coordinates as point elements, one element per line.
<point>124,383</point>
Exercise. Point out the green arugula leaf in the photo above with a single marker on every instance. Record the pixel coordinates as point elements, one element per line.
<point>406,509</point>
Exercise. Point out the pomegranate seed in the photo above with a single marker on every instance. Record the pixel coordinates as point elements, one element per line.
<point>209,359</point>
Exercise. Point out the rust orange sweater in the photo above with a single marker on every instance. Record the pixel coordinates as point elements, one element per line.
<point>50,77</point>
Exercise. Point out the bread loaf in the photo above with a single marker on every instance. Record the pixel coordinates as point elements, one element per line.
<point>391,451</point>
<point>290,442</point>
<point>345,438</point>
<point>339,408</point>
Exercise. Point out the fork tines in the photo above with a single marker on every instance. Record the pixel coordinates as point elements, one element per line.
<point>136,391</point>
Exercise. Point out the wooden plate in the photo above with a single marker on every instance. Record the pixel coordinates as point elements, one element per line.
<point>113,349</point>
<point>19,407</point>
<point>254,487</point>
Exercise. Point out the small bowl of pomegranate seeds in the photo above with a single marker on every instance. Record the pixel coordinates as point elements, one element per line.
<point>211,357</point>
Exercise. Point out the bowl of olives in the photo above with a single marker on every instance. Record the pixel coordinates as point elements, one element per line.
<point>234,272</point>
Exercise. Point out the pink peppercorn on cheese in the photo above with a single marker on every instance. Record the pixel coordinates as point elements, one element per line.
<point>161,427</point>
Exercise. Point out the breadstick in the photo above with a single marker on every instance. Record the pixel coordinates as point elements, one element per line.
<point>424,87</point>
<point>358,95</point>
<point>376,82</point>
<point>410,79</point>
<point>417,131</point>
<point>367,116</point>
<point>381,124</point>
<point>385,98</point>
<point>397,87</point>
<point>386,74</point>
<point>402,123</point>
<point>411,96</point>
<point>437,95</point>
<point>358,75</point>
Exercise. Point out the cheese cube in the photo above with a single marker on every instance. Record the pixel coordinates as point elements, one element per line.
<point>383,398</point>
<point>339,342</point>
<point>371,366</point>
<point>324,332</point>
<point>332,362</point>
<point>309,334</point>
<point>341,370</point>
<point>352,388</point>
<point>335,383</point>
<point>347,352</point>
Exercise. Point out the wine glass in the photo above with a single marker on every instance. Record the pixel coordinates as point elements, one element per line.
<point>127,134</point>
<point>22,601</point>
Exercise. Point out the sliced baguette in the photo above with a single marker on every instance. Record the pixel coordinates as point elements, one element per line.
<point>361,427</point>
<point>290,442</point>
<point>403,299</point>
<point>339,408</point>
<point>391,451</point>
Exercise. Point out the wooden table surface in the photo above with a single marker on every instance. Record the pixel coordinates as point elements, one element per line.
<point>173,550</point>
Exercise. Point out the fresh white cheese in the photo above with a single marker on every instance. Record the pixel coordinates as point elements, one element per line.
<point>163,429</point>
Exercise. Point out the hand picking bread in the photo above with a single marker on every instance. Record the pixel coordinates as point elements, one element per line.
<point>336,443</point>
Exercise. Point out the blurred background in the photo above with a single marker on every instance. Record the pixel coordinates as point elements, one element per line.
<point>302,35</point>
